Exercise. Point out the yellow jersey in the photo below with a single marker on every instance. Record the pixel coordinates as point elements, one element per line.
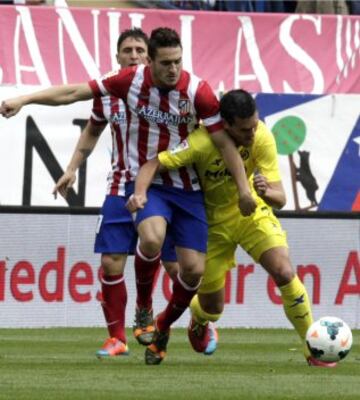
<point>220,191</point>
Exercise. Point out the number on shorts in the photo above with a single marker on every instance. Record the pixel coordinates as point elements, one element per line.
<point>98,224</point>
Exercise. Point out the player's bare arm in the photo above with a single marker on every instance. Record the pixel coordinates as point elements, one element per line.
<point>142,183</point>
<point>235,165</point>
<point>84,147</point>
<point>54,96</point>
<point>271,192</point>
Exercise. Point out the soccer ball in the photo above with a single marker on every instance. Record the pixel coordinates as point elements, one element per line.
<point>329,339</point>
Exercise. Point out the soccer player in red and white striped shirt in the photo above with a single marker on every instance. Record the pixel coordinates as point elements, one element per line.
<point>116,235</point>
<point>163,104</point>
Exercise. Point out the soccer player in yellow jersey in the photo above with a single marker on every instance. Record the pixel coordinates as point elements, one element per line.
<point>260,234</point>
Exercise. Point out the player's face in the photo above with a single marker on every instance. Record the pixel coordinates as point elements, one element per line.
<point>132,52</point>
<point>243,130</point>
<point>166,66</point>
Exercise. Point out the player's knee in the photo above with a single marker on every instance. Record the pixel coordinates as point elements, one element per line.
<point>113,264</point>
<point>283,275</point>
<point>150,245</point>
<point>191,278</point>
<point>194,266</point>
<point>172,268</point>
<point>192,273</point>
<point>215,308</point>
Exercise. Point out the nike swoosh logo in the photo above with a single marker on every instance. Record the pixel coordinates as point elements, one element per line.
<point>112,323</point>
<point>301,316</point>
<point>343,343</point>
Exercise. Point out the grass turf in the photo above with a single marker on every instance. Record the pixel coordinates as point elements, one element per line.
<point>39,364</point>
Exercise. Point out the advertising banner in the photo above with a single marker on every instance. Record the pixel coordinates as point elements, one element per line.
<point>271,53</point>
<point>49,274</point>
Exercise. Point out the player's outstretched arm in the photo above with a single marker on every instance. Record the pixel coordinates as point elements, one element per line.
<point>143,181</point>
<point>235,165</point>
<point>54,96</point>
<point>271,192</point>
<point>84,147</point>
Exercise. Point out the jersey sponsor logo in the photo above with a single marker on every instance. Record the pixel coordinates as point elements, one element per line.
<point>219,174</point>
<point>180,147</point>
<point>184,106</point>
<point>217,162</point>
<point>162,117</point>
<point>118,118</point>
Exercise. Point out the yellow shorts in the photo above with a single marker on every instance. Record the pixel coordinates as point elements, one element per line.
<point>255,234</point>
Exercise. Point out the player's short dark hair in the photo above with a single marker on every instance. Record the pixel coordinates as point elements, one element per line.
<point>237,103</point>
<point>135,33</point>
<point>163,37</point>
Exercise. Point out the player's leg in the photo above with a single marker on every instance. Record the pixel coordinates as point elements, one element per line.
<point>171,268</point>
<point>207,306</point>
<point>266,242</point>
<point>294,295</point>
<point>189,232</point>
<point>114,300</point>
<point>151,224</point>
<point>146,272</point>
<point>147,263</point>
<point>295,299</point>
<point>115,238</point>
<point>185,285</point>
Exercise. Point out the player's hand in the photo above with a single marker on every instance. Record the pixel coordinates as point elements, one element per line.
<point>64,184</point>
<point>260,185</point>
<point>10,107</point>
<point>247,204</point>
<point>135,202</point>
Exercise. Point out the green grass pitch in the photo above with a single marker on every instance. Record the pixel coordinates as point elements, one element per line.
<point>39,364</point>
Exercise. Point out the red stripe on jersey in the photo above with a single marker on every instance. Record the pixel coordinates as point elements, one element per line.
<point>95,88</point>
<point>116,177</point>
<point>164,137</point>
<point>97,111</point>
<point>98,108</point>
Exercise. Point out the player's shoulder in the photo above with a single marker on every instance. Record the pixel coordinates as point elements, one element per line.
<point>120,73</point>
<point>263,134</point>
<point>188,81</point>
<point>200,138</point>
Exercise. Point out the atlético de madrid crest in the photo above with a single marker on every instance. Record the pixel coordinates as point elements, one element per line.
<point>184,106</point>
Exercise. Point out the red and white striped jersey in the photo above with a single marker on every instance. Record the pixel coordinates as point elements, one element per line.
<point>159,119</point>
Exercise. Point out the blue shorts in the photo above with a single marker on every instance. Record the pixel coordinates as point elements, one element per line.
<point>115,230</point>
<point>168,252</point>
<point>183,210</point>
<point>116,233</point>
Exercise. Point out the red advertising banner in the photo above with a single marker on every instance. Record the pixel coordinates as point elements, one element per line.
<point>271,53</point>
<point>50,276</point>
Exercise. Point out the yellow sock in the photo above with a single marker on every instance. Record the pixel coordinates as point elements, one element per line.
<point>199,315</point>
<point>297,307</point>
